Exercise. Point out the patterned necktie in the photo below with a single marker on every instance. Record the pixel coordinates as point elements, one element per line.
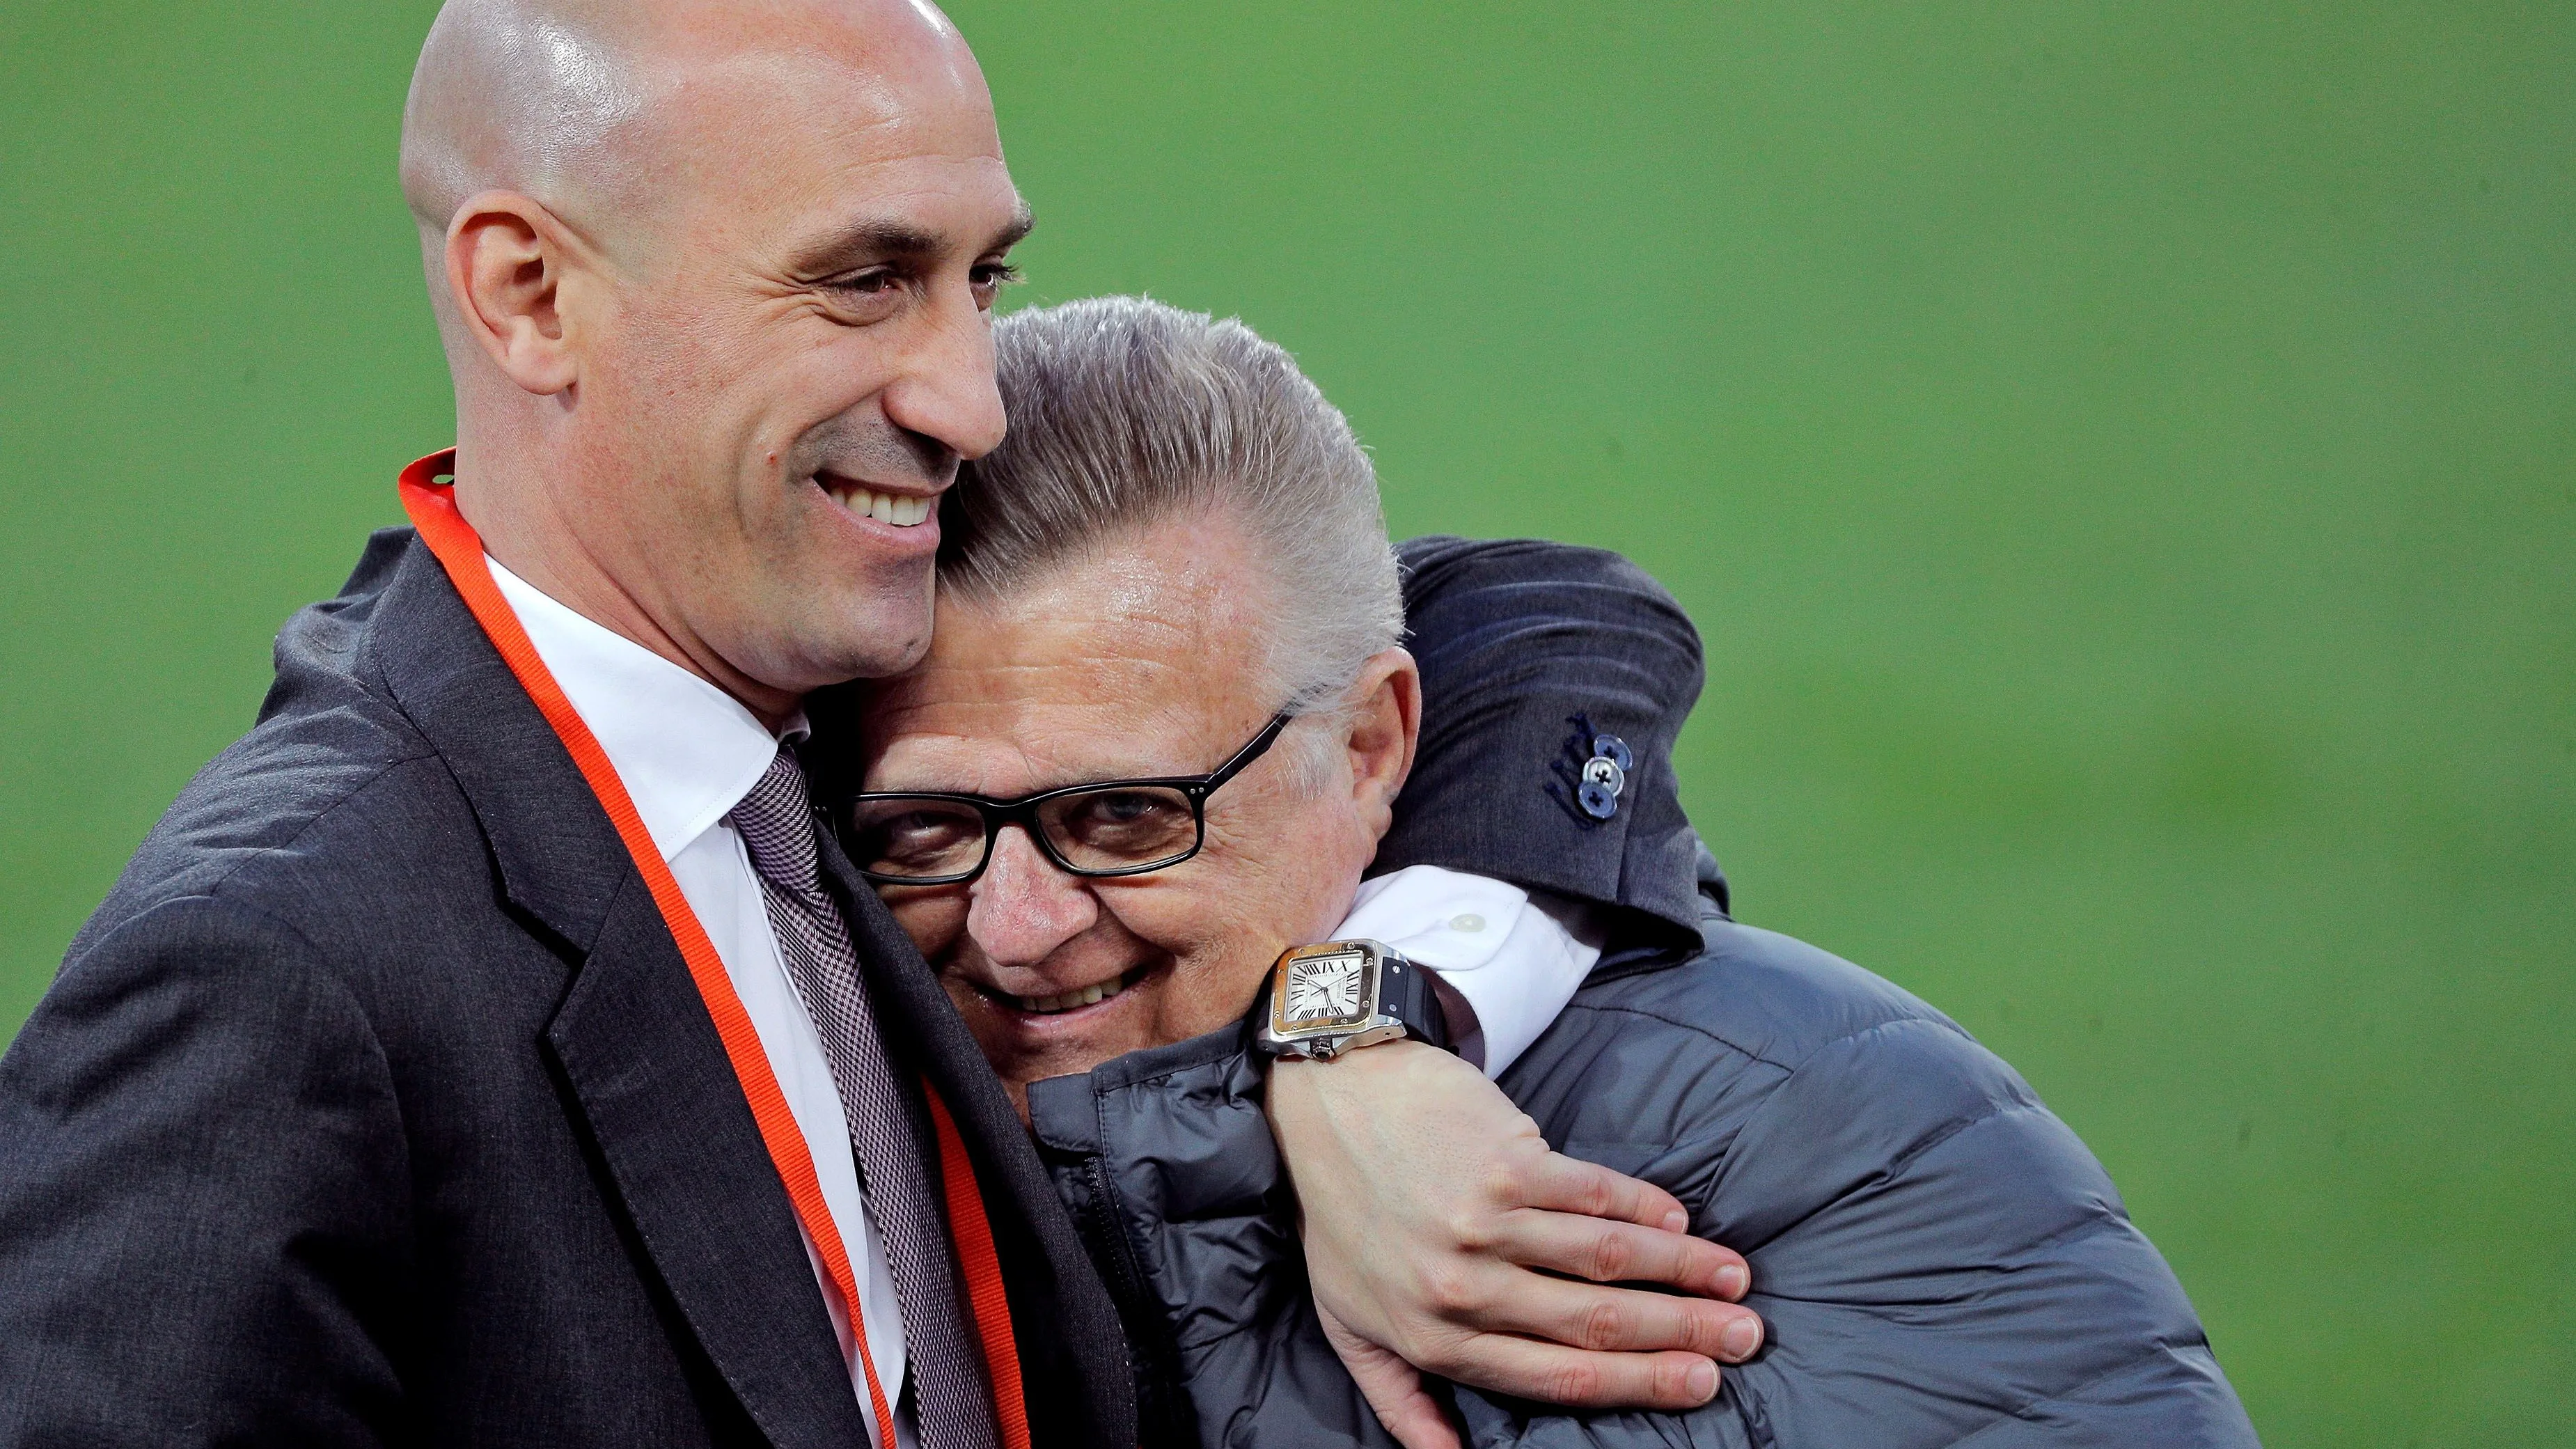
<point>776,820</point>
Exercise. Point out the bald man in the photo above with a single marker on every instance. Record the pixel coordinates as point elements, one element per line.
<point>487,1048</point>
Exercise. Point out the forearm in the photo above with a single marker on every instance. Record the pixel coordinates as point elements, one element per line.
<point>1439,1225</point>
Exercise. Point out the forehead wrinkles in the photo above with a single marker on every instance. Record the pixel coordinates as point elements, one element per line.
<point>1164,613</point>
<point>1001,733</point>
<point>1103,667</point>
<point>1049,675</point>
<point>1167,619</point>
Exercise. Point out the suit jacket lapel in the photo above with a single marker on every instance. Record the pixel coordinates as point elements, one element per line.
<point>647,1073</point>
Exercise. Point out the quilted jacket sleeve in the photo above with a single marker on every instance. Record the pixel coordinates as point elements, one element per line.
<point>1167,1164</point>
<point>1939,1259</point>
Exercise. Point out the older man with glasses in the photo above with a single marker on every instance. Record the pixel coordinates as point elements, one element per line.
<point>1176,563</point>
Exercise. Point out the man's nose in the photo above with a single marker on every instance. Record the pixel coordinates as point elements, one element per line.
<point>1022,907</point>
<point>947,389</point>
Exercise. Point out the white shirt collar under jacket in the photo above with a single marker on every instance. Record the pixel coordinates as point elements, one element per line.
<point>687,751</point>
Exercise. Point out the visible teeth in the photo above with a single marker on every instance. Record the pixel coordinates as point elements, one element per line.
<point>888,508</point>
<point>1085,996</point>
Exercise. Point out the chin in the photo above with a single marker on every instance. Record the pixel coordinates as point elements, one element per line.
<point>866,640</point>
<point>883,631</point>
<point>845,660</point>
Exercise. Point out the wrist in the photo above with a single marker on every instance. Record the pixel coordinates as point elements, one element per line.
<point>1333,998</point>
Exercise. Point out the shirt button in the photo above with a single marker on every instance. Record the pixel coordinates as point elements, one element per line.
<point>1469,922</point>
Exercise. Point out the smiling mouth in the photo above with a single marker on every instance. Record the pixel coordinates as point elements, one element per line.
<point>898,510</point>
<point>1073,1000</point>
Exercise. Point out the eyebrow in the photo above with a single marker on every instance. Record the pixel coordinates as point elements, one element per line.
<point>878,240</point>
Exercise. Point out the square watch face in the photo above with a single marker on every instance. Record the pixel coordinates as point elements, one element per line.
<point>1326,990</point>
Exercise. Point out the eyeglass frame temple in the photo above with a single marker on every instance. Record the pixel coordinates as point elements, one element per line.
<point>1022,811</point>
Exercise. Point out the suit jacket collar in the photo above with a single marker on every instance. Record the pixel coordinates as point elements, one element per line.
<point>559,857</point>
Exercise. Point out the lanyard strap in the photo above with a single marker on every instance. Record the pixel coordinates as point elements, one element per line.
<point>459,550</point>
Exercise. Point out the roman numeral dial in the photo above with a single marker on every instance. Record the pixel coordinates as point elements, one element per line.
<point>1326,988</point>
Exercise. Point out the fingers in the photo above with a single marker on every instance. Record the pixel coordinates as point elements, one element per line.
<point>1574,1378</point>
<point>1609,1320</point>
<point>1393,1389</point>
<point>1606,1251</point>
<point>1570,1185</point>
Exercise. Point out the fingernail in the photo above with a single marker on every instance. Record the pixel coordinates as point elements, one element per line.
<point>1740,1338</point>
<point>1701,1381</point>
<point>1677,1221</point>
<point>1732,1280</point>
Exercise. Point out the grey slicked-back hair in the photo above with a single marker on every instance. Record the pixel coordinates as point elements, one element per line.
<point>1127,413</point>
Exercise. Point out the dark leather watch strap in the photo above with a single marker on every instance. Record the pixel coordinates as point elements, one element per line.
<point>1406,992</point>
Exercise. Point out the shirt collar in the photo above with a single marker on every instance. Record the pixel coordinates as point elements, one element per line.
<point>686,751</point>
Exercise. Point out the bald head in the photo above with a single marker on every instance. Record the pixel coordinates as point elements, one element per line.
<point>587,105</point>
<point>714,278</point>
<point>535,96</point>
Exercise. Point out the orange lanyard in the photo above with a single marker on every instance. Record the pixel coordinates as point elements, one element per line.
<point>460,550</point>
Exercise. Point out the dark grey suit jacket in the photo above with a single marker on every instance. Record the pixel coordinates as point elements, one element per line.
<point>377,1106</point>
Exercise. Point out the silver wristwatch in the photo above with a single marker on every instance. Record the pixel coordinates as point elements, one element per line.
<point>1338,996</point>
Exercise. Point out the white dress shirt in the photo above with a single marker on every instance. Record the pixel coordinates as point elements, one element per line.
<point>687,753</point>
<point>1517,958</point>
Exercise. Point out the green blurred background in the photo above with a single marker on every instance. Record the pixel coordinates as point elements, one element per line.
<point>2120,456</point>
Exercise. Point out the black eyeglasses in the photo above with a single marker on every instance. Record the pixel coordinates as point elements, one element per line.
<point>1116,827</point>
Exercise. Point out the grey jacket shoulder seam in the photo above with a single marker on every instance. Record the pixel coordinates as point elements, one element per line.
<point>217,885</point>
<point>366,650</point>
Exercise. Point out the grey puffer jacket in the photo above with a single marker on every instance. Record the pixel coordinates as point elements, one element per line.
<point>1940,1261</point>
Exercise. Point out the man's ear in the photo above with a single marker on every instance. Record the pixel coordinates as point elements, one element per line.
<point>1386,724</point>
<point>507,262</point>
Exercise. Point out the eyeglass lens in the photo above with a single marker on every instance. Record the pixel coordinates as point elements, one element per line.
<point>1120,827</point>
